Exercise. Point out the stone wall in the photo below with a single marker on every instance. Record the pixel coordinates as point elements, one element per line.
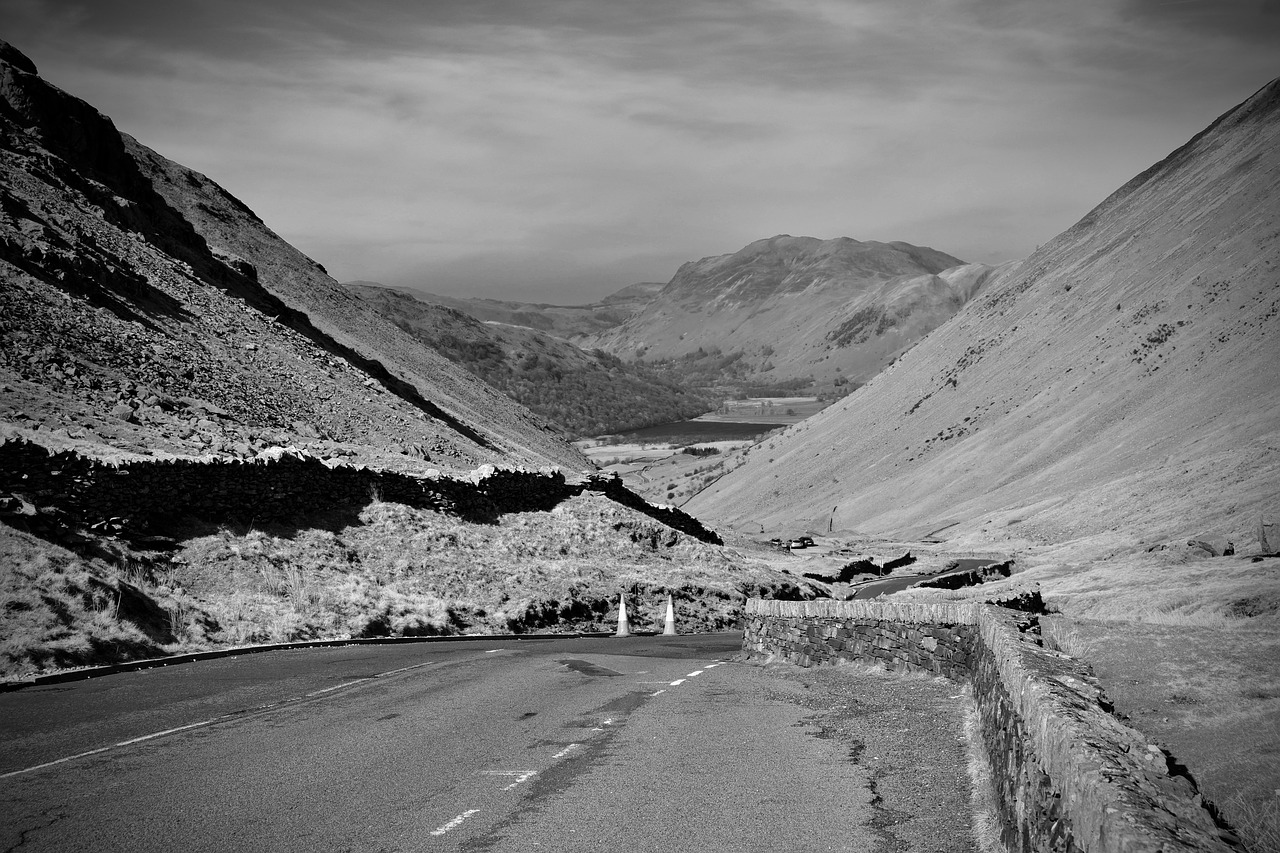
<point>283,486</point>
<point>1068,774</point>
<point>904,637</point>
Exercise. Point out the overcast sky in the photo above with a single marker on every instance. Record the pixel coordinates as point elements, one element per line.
<point>556,150</point>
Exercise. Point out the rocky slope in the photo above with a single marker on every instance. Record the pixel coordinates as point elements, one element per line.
<point>583,393</point>
<point>838,310</point>
<point>1116,389</point>
<point>574,323</point>
<point>146,309</point>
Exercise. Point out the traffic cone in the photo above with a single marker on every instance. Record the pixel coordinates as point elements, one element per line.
<point>670,629</point>
<point>624,627</point>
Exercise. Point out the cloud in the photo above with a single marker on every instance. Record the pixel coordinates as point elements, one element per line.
<point>531,147</point>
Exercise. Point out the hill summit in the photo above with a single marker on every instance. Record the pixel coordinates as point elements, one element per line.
<point>799,307</point>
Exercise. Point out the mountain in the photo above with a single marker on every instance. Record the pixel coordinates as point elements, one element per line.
<point>1115,390</point>
<point>206,441</point>
<point>791,307</point>
<point>583,393</point>
<point>145,309</point>
<point>575,323</point>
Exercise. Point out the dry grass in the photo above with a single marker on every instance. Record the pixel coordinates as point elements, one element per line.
<point>395,571</point>
<point>1257,819</point>
<point>403,571</point>
<point>59,610</point>
<point>985,817</point>
<point>1062,634</point>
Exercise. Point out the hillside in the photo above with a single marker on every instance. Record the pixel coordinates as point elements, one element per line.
<point>1118,388</point>
<point>1108,414</point>
<point>583,393</point>
<point>574,323</point>
<point>789,308</point>
<point>132,282</point>
<point>207,441</point>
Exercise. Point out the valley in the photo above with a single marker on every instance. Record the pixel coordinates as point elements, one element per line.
<point>207,442</point>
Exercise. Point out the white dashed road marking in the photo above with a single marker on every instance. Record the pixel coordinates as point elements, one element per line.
<point>315,693</point>
<point>678,682</point>
<point>211,721</point>
<point>520,776</point>
<point>568,749</point>
<point>455,823</point>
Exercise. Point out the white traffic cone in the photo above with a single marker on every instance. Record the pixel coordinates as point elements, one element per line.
<point>624,627</point>
<point>670,629</point>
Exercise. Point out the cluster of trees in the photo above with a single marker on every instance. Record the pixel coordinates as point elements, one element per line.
<point>601,395</point>
<point>595,400</point>
<point>719,375</point>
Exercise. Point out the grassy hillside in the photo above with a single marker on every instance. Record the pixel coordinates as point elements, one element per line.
<point>582,393</point>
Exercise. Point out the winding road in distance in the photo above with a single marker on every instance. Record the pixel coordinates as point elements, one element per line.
<point>588,744</point>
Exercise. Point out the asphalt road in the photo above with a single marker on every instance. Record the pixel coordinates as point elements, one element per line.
<point>646,743</point>
<point>875,589</point>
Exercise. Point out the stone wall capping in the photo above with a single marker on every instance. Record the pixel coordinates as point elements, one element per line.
<point>287,485</point>
<point>1070,776</point>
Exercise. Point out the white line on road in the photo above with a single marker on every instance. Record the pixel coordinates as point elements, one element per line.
<point>520,775</point>
<point>677,682</point>
<point>568,749</point>
<point>336,687</point>
<point>455,823</point>
<point>659,693</point>
<point>695,672</point>
<point>270,706</point>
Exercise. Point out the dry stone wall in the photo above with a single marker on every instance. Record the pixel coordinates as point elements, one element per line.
<point>1070,777</point>
<point>284,486</point>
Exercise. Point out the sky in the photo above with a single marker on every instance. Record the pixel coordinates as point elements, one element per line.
<point>558,150</point>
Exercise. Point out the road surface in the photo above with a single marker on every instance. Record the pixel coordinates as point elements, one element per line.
<point>646,743</point>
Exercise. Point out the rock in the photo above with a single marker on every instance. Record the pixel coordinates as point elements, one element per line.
<point>124,412</point>
<point>305,430</point>
<point>1201,545</point>
<point>1268,535</point>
